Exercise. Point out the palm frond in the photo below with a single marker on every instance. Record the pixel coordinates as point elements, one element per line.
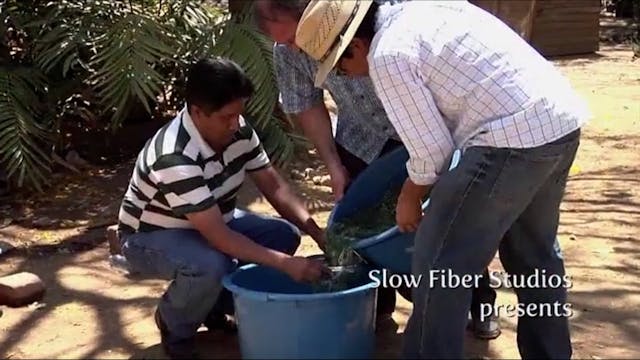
<point>23,138</point>
<point>62,36</point>
<point>125,64</point>
<point>242,43</point>
<point>195,26</point>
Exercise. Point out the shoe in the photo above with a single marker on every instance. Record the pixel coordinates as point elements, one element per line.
<point>221,322</point>
<point>486,329</point>
<point>175,348</point>
<point>385,323</point>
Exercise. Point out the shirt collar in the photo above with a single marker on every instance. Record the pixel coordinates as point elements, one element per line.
<point>193,132</point>
<point>387,11</point>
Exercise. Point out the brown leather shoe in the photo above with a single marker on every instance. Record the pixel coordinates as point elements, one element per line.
<point>175,348</point>
<point>385,324</point>
<point>221,322</point>
<point>487,329</point>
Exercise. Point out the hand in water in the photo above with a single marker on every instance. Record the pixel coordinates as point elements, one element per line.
<point>303,269</point>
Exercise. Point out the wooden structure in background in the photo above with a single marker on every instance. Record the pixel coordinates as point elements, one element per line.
<point>553,27</point>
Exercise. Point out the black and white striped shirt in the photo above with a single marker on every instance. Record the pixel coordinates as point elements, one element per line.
<point>177,172</point>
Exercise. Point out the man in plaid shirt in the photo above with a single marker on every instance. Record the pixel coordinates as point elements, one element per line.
<point>452,76</point>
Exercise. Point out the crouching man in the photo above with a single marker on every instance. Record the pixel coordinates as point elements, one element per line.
<point>179,221</point>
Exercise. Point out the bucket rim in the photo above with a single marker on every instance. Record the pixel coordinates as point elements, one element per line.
<point>383,236</point>
<point>227,282</point>
<point>370,241</point>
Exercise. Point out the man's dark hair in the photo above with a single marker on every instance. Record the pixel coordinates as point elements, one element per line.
<point>366,30</point>
<point>273,9</point>
<point>214,83</point>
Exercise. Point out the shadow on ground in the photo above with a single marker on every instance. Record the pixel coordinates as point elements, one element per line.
<point>222,346</point>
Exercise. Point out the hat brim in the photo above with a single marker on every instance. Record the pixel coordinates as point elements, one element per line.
<point>325,67</point>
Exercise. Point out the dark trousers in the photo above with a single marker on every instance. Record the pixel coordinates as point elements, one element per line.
<point>197,269</point>
<point>483,294</point>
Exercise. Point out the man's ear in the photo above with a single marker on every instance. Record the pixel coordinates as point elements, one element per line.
<point>198,112</point>
<point>359,47</point>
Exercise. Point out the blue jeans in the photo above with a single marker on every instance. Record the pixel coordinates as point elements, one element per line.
<point>495,199</point>
<point>196,268</point>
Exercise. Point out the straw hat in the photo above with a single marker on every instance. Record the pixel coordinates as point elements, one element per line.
<point>326,29</point>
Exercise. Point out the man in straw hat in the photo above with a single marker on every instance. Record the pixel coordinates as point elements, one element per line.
<point>363,132</point>
<point>451,75</point>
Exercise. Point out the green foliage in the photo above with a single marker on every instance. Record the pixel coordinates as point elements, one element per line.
<point>124,64</point>
<point>365,223</point>
<point>243,43</point>
<point>21,133</point>
<point>98,60</point>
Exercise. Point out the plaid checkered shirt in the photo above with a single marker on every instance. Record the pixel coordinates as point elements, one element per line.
<point>362,125</point>
<point>451,76</point>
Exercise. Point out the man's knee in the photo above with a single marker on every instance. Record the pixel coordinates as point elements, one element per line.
<point>210,268</point>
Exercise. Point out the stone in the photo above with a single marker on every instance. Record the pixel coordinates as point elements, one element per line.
<point>5,247</point>
<point>297,175</point>
<point>113,240</point>
<point>308,173</point>
<point>21,289</point>
<point>324,180</point>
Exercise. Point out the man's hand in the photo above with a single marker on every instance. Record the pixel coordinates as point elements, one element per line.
<point>286,202</point>
<point>318,235</point>
<point>304,270</point>
<point>408,214</point>
<point>409,206</point>
<point>321,240</point>
<point>339,181</point>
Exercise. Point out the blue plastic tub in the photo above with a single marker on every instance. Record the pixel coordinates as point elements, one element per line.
<point>279,318</point>
<point>390,249</point>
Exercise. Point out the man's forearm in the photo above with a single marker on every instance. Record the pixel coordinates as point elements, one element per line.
<point>241,247</point>
<point>291,207</point>
<point>210,224</point>
<point>316,125</point>
<point>280,195</point>
<point>415,192</point>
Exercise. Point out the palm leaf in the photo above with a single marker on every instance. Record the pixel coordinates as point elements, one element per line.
<point>62,35</point>
<point>24,141</point>
<point>242,43</point>
<point>125,62</point>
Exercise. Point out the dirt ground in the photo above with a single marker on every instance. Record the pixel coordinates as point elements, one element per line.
<point>92,311</point>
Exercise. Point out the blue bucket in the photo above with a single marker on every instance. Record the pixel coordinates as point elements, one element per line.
<point>390,249</point>
<point>279,318</point>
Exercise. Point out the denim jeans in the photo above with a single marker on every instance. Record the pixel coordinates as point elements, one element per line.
<point>386,300</point>
<point>496,199</point>
<point>196,268</point>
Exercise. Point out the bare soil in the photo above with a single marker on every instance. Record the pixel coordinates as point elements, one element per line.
<point>92,311</point>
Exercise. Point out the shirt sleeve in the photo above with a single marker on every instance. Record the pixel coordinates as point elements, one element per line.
<point>258,158</point>
<point>412,110</point>
<point>182,182</point>
<point>297,90</point>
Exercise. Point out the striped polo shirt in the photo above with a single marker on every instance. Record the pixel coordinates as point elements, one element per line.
<point>177,172</point>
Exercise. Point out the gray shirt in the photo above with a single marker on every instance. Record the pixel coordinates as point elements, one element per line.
<point>362,127</point>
